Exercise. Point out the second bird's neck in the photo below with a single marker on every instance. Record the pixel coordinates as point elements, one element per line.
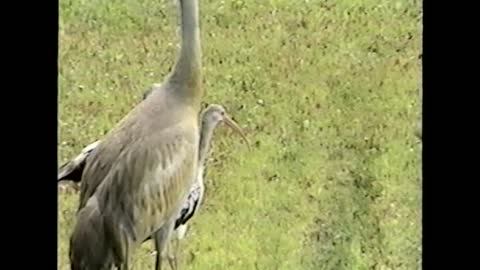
<point>205,140</point>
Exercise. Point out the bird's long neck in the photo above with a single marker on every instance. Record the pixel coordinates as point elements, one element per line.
<point>187,70</point>
<point>206,135</point>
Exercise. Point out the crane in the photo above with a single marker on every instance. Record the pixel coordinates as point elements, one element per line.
<point>136,180</point>
<point>211,116</point>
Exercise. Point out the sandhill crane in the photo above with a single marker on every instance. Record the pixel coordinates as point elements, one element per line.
<point>136,180</point>
<point>210,117</point>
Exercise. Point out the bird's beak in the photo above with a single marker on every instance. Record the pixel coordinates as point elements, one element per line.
<point>229,122</point>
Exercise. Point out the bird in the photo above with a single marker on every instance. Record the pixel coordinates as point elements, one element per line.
<point>138,176</point>
<point>210,118</point>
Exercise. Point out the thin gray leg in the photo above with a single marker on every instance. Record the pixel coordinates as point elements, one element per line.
<point>161,238</point>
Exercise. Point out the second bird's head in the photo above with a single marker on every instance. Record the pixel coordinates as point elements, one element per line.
<point>215,114</point>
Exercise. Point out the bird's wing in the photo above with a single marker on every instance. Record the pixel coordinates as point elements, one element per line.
<point>113,147</point>
<point>144,176</point>
<point>100,163</point>
<point>73,169</point>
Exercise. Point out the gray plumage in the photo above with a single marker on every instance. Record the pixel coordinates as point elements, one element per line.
<point>136,180</point>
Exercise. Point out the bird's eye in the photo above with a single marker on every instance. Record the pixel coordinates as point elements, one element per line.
<point>223,113</point>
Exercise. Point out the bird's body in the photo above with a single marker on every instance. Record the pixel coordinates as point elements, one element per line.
<point>136,180</point>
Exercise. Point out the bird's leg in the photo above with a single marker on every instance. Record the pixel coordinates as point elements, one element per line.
<point>172,256</point>
<point>171,259</point>
<point>175,256</point>
<point>161,238</point>
<point>158,256</point>
<point>126,254</point>
<point>124,265</point>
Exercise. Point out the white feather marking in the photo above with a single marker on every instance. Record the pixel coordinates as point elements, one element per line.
<point>181,230</point>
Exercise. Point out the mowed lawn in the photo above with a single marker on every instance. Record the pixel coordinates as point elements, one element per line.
<point>329,95</point>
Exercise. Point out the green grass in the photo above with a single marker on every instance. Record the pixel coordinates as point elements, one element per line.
<point>329,93</point>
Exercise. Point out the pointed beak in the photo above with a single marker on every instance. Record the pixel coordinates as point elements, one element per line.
<point>229,122</point>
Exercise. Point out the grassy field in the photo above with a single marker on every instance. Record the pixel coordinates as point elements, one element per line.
<point>329,93</point>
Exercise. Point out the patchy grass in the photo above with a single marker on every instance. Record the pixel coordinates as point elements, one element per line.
<point>329,94</point>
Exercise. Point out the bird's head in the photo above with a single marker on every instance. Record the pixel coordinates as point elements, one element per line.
<point>215,114</point>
